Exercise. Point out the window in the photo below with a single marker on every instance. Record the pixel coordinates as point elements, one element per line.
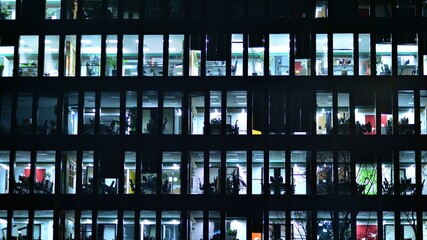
<point>216,59</point>
<point>277,173</point>
<point>196,117</point>
<point>90,55</point>
<point>324,113</point>
<point>299,162</point>
<point>4,172</point>
<point>53,9</point>
<point>364,54</point>
<point>279,54</point>
<point>109,113</point>
<point>321,54</point>
<point>68,172</point>
<point>256,55</point>
<point>236,122</point>
<point>383,54</point>
<point>152,64</point>
<point>172,113</point>
<point>70,56</point>
<point>406,112</point>
<point>130,55</point>
<point>176,58</point>
<point>45,173</point>
<point>236,172</point>
<point>22,172</point>
<point>111,52</point>
<point>28,56</point>
<point>48,111</point>
<point>171,173</point>
<point>196,182</point>
<point>407,54</point>
<point>302,53</point>
<point>6,60</point>
<point>343,60</point>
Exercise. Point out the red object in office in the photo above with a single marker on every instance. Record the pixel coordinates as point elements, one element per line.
<point>39,174</point>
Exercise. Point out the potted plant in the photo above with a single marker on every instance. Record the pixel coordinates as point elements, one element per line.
<point>112,62</point>
<point>1,69</point>
<point>50,14</point>
<point>5,11</point>
<point>232,233</point>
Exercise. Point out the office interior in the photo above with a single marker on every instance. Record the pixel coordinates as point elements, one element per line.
<point>184,118</point>
<point>155,62</point>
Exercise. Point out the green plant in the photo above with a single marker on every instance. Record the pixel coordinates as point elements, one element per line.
<point>112,62</point>
<point>6,9</point>
<point>1,67</point>
<point>50,13</point>
<point>232,232</point>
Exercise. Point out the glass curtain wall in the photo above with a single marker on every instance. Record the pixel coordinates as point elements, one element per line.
<point>51,53</point>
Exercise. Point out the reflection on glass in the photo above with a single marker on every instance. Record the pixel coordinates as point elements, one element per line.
<point>196,118</point>
<point>71,7</point>
<point>6,59</point>
<point>343,54</point>
<point>365,113</point>
<point>129,226</point>
<point>383,54</point>
<point>131,9</point>
<point>324,225</point>
<point>255,55</point>
<point>130,173</point>
<point>236,122</point>
<point>343,113</point>
<point>107,224</point>
<point>215,112</point>
<point>324,113</point>
<point>153,9</point>
<point>345,185</point>
<point>195,53</point>
<point>22,172</point>
<point>299,224</point>
<point>214,222</point>
<point>407,54</point>
<point>92,9</point>
<point>109,113</point>
<point>299,161</point>
<point>53,9</point>
<point>87,173</point>
<point>386,110</point>
<point>86,224</point>
<point>112,9</point>
<point>366,225</point>
<point>149,173</point>
<point>5,173</point>
<point>28,56</point>
<point>43,224</point>
<point>131,112</point>
<point>148,224</point>
<point>277,224</point>
<point>407,171</point>
<point>324,173</point>
<point>24,113</point>
<point>171,225</point>
<point>236,178</point>
<point>111,52</point>
<point>67,219</point>
<point>171,173</point>
<point>44,179</point>
<point>70,56</point>
<point>424,171</point>
<point>406,113</point>
<point>321,54</point>
<point>279,54</point>
<point>70,113</point>
<point>172,113</point>
<point>364,8</point>
<point>108,172</point>
<point>236,54</point>
<point>89,113</point>
<point>302,54</point>
<point>366,174</point>
<point>68,172</point>
<point>47,112</point>
<point>276,173</point>
<point>5,113</point>
<point>300,115</point>
<point>383,8</point>
<point>152,64</point>
<point>364,54</point>
<point>20,223</point>
<point>130,55</point>
<point>408,224</point>
<point>214,172</point>
<point>257,172</point>
<point>90,55</point>
<point>216,60</point>
<point>150,112</point>
<point>195,224</point>
<point>51,53</point>
<point>196,177</point>
<point>176,58</point>
<point>387,168</point>
<point>423,111</point>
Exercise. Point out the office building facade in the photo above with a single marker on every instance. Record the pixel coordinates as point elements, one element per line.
<point>229,119</point>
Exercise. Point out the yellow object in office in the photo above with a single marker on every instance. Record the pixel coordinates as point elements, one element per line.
<point>256,132</point>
